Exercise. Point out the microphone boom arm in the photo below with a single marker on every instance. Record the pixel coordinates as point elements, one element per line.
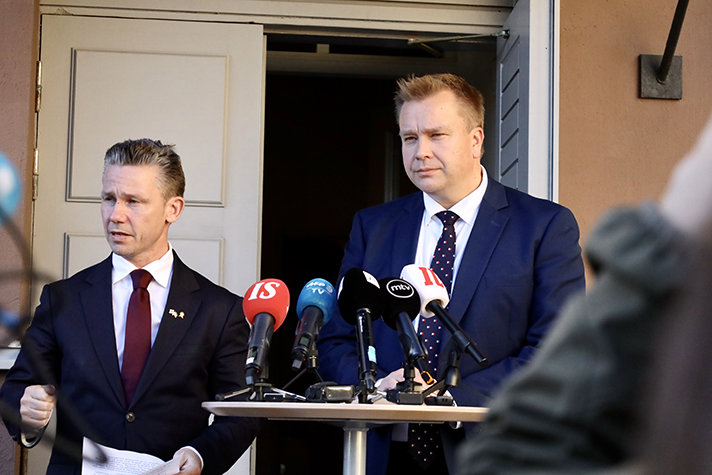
<point>462,340</point>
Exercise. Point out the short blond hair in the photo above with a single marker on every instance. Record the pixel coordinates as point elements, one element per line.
<point>417,88</point>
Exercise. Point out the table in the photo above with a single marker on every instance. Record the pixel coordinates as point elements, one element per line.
<point>355,418</point>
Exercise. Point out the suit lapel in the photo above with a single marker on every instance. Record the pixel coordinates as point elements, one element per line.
<point>178,316</point>
<point>98,314</point>
<point>405,238</point>
<point>483,240</point>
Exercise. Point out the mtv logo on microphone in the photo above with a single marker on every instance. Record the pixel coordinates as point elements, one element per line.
<point>399,288</point>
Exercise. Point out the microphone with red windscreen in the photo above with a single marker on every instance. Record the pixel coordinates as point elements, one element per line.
<point>265,305</point>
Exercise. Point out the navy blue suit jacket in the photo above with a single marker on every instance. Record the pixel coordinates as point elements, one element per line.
<point>521,263</point>
<point>194,357</point>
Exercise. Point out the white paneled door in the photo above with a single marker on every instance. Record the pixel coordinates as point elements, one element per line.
<point>199,86</point>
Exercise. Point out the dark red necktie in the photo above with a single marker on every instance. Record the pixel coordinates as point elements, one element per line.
<point>137,343</point>
<point>424,439</point>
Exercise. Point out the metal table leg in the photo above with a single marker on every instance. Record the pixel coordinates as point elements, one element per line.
<point>355,450</point>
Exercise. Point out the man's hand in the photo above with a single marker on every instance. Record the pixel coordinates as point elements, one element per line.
<point>390,381</point>
<point>36,407</point>
<point>184,461</point>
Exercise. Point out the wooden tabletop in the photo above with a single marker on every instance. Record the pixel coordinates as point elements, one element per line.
<point>379,412</point>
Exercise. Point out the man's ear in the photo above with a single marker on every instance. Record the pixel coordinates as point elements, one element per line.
<point>174,208</point>
<point>478,138</point>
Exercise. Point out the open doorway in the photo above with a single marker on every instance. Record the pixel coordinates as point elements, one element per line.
<point>332,148</point>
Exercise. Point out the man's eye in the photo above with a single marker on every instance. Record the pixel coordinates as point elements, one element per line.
<point>408,139</point>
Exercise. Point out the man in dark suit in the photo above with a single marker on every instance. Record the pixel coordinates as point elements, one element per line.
<point>516,260</point>
<point>190,336</point>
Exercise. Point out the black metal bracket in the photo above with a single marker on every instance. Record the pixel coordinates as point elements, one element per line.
<point>651,87</point>
<point>661,76</point>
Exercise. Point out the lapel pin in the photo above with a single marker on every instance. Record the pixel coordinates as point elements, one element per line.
<point>175,314</point>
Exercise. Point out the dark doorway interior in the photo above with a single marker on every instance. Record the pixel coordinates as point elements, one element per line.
<point>331,148</point>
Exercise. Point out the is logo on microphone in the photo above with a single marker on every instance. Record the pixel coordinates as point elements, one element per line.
<point>264,290</point>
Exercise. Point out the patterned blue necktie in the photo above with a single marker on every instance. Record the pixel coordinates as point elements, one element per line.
<point>424,439</point>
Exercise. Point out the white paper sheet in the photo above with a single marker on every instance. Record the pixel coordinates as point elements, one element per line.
<point>120,462</point>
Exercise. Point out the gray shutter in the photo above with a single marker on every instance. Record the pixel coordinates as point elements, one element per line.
<point>513,99</point>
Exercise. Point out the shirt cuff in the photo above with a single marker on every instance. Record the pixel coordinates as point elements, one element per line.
<point>29,441</point>
<point>202,463</point>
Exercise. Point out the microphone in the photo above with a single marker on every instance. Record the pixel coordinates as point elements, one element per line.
<point>315,305</point>
<point>401,306</point>
<point>10,188</point>
<point>360,301</point>
<point>265,306</point>
<point>433,300</point>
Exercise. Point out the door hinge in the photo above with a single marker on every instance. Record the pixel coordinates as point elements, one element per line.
<point>38,87</point>
<point>35,173</point>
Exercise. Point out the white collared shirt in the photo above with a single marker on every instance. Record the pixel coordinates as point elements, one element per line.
<point>431,227</point>
<point>121,288</point>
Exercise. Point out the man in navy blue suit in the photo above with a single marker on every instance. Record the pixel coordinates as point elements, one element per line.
<point>517,260</point>
<point>194,333</point>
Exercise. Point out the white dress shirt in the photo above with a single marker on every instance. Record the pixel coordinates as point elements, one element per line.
<point>121,287</point>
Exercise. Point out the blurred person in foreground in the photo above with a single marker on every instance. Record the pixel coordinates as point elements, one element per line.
<point>622,382</point>
<point>135,343</point>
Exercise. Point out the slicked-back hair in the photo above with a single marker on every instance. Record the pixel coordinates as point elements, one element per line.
<point>150,152</point>
<point>417,88</point>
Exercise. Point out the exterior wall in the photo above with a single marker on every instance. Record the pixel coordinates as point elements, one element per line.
<point>18,53</point>
<point>18,45</point>
<point>615,148</point>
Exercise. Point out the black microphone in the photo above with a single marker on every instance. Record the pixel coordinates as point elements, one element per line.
<point>401,306</point>
<point>433,300</point>
<point>265,306</point>
<point>315,305</point>
<point>360,301</point>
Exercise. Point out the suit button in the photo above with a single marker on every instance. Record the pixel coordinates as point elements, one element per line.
<point>130,417</point>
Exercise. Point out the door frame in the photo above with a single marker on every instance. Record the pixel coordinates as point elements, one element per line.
<point>395,19</point>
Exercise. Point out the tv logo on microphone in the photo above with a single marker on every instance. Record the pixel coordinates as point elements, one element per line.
<point>319,287</point>
<point>430,277</point>
<point>399,288</point>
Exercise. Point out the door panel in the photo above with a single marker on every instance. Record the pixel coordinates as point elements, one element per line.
<point>196,85</point>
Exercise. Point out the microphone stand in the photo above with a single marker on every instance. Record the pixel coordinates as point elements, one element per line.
<point>406,391</point>
<point>257,390</point>
<point>367,378</point>
<point>262,390</point>
<point>451,379</point>
<point>312,365</point>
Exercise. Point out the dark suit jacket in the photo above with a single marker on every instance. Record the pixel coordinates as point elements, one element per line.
<point>522,261</point>
<point>192,359</point>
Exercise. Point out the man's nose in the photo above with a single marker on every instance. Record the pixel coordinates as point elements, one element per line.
<point>118,213</point>
<point>423,149</point>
